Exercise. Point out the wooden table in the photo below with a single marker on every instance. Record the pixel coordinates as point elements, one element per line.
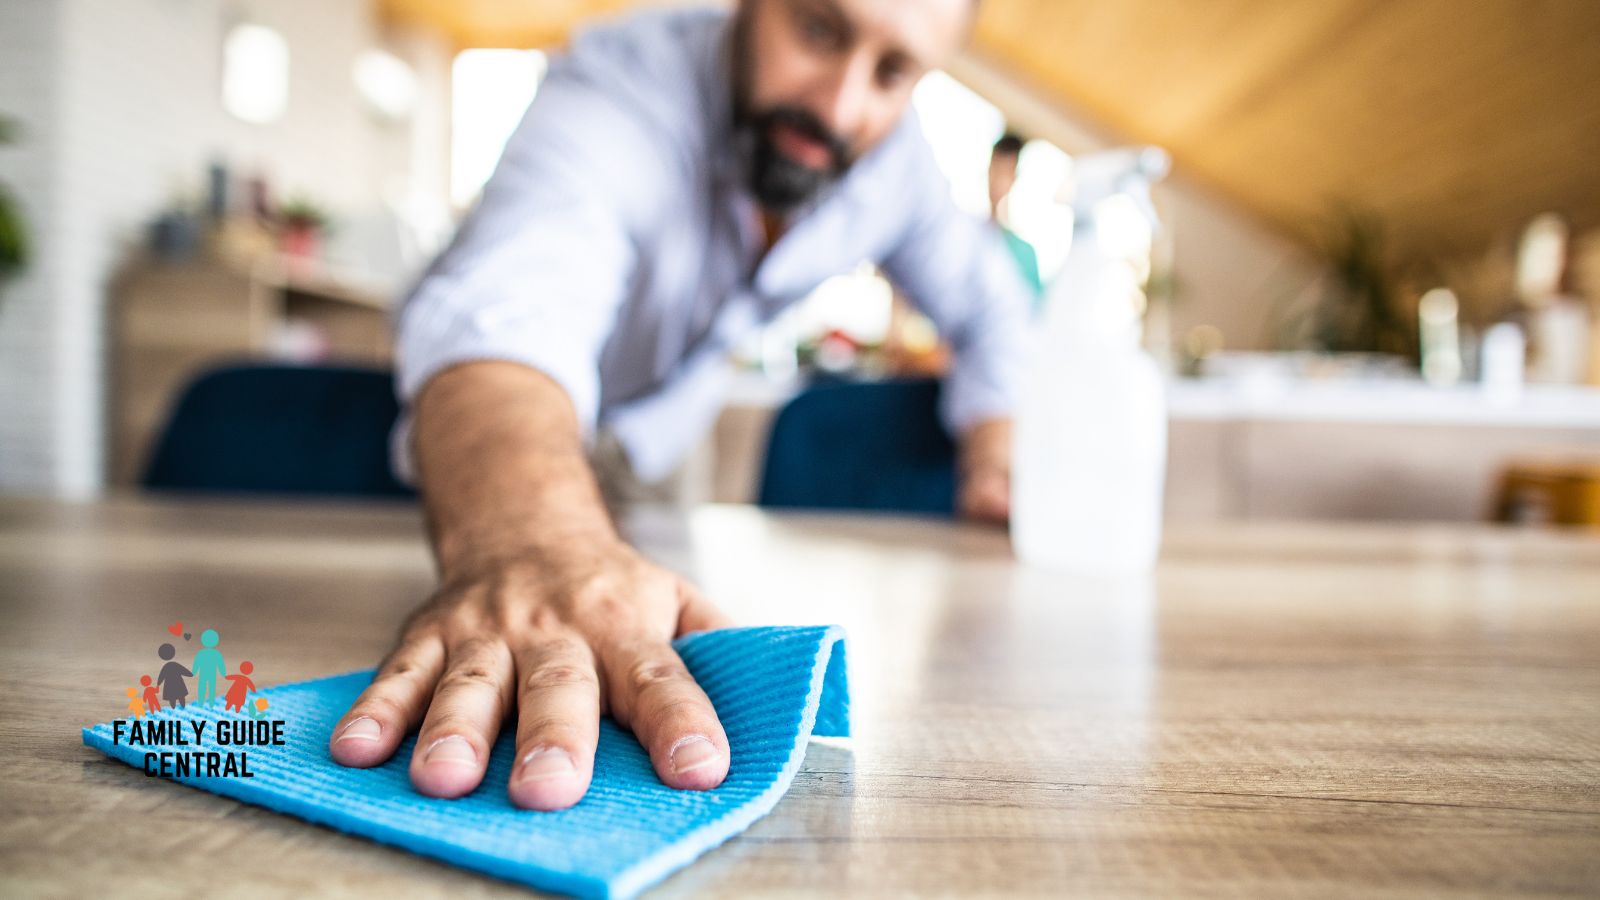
<point>1280,710</point>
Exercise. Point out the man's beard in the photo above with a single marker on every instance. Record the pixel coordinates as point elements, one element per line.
<point>778,182</point>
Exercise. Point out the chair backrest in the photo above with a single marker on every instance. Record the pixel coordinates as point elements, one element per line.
<point>867,446</point>
<point>280,429</point>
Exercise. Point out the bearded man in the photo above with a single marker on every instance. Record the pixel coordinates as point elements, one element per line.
<point>680,178</point>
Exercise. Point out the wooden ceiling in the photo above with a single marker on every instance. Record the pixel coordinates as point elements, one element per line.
<point>1451,120</point>
<point>500,23</point>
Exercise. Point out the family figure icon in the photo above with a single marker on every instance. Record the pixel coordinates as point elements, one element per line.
<point>208,669</point>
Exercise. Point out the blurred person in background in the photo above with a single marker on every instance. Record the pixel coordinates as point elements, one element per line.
<point>680,179</point>
<point>1003,161</point>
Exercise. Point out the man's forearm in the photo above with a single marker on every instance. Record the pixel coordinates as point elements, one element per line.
<point>501,466</point>
<point>986,444</point>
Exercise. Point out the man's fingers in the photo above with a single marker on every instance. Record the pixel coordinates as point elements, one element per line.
<point>654,695</point>
<point>464,718</point>
<point>698,613</point>
<point>558,723</point>
<point>391,706</point>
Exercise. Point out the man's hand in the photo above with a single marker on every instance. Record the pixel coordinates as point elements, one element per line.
<point>984,472</point>
<point>556,640</point>
<point>542,613</point>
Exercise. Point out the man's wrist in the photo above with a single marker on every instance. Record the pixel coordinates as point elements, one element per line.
<point>986,445</point>
<point>464,554</point>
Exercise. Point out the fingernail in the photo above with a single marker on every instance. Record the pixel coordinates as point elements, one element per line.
<point>452,749</point>
<point>546,762</point>
<point>362,728</point>
<point>692,752</point>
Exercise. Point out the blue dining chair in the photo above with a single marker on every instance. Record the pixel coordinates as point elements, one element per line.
<point>875,446</point>
<point>267,428</point>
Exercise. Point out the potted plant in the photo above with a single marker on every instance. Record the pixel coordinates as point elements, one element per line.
<point>301,226</point>
<point>1360,309</point>
<point>13,232</point>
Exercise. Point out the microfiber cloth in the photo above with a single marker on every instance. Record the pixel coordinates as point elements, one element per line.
<point>773,689</point>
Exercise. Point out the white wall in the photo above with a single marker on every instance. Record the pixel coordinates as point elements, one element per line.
<point>120,101</point>
<point>29,48</point>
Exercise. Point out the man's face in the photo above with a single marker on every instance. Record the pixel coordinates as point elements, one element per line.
<point>820,82</point>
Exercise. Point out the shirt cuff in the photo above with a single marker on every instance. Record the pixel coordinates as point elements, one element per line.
<point>985,380</point>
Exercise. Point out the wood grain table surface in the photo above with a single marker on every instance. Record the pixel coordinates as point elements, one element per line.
<point>1281,710</point>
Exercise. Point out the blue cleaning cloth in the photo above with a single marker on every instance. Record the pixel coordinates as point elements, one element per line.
<point>772,687</point>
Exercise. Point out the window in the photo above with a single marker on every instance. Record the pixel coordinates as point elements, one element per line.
<point>255,73</point>
<point>961,127</point>
<point>489,92</point>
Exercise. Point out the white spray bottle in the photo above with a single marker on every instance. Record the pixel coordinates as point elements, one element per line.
<point>1090,445</point>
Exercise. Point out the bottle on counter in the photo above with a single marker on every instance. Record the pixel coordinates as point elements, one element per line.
<point>1089,451</point>
<point>1556,320</point>
<point>1502,361</point>
<point>1438,325</point>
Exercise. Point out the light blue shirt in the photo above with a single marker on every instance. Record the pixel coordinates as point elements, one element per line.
<point>616,249</point>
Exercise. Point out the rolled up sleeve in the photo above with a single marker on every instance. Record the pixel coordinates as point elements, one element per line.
<point>956,269</point>
<point>540,267</point>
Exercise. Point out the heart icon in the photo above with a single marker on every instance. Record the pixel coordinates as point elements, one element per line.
<point>186,635</point>
<point>176,628</point>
